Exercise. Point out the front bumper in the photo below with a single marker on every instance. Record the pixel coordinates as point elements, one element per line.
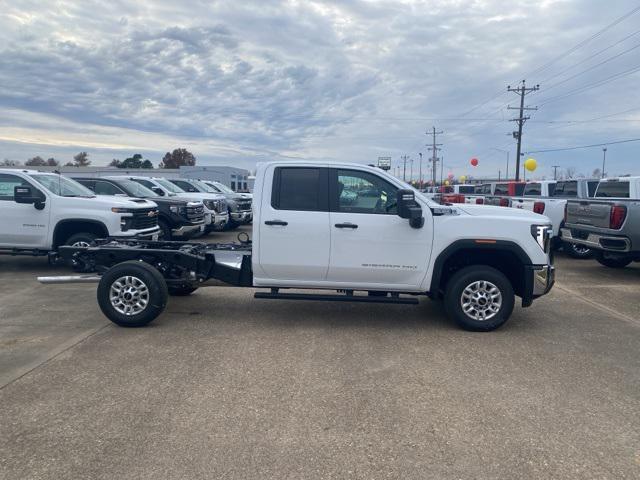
<point>539,280</point>
<point>147,234</point>
<point>597,240</point>
<point>242,217</point>
<point>188,231</point>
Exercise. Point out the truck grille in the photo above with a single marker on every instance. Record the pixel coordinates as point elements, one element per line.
<point>144,218</point>
<point>244,205</point>
<point>195,214</point>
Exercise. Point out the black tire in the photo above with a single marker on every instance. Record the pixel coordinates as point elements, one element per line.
<point>156,293</point>
<point>83,239</point>
<point>577,251</point>
<point>467,277</point>
<point>612,260</point>
<point>165,231</point>
<point>181,290</point>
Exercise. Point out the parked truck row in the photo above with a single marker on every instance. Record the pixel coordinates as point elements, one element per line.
<point>43,211</point>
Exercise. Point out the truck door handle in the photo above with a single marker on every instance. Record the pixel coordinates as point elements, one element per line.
<point>276,222</point>
<point>346,225</point>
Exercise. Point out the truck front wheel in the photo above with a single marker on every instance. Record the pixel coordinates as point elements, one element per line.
<point>84,239</point>
<point>479,298</point>
<point>612,260</point>
<point>132,294</point>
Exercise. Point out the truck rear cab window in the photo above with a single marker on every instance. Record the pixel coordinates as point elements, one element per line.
<point>8,183</point>
<point>613,190</point>
<point>501,189</point>
<point>466,189</point>
<point>533,190</point>
<point>566,189</point>
<point>300,188</point>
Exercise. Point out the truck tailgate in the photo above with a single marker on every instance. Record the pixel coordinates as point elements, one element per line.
<point>588,212</point>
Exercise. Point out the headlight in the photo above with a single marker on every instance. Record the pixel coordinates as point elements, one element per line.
<point>542,236</point>
<point>233,205</point>
<point>174,209</point>
<point>121,210</point>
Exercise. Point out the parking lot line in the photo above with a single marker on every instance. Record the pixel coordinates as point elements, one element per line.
<point>599,306</point>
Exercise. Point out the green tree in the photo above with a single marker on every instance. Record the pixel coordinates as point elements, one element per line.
<point>135,162</point>
<point>52,162</point>
<point>36,161</point>
<point>178,158</point>
<point>115,163</point>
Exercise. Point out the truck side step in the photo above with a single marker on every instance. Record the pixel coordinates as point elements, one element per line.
<point>336,298</point>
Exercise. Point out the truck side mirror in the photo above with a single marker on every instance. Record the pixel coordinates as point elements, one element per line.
<point>25,194</point>
<point>158,191</point>
<point>409,208</point>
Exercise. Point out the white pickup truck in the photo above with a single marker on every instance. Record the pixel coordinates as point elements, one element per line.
<point>41,211</point>
<point>344,227</point>
<point>549,198</point>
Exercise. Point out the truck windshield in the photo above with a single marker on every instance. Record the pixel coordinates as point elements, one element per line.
<point>62,186</point>
<point>203,187</point>
<point>222,188</point>
<point>135,189</point>
<point>168,185</point>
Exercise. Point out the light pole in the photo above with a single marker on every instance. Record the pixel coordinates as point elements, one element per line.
<point>506,175</point>
<point>604,159</point>
<point>420,179</point>
<point>410,171</point>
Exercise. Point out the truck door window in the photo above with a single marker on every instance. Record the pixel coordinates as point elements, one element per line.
<point>613,190</point>
<point>363,192</point>
<point>106,188</point>
<point>300,188</point>
<point>7,184</point>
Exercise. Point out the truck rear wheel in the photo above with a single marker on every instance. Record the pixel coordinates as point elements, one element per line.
<point>479,298</point>
<point>84,239</point>
<point>132,294</point>
<point>577,251</point>
<point>612,260</point>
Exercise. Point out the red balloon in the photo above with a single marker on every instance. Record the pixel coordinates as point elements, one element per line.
<point>474,162</point>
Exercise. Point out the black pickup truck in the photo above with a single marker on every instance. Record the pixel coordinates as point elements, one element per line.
<point>178,219</point>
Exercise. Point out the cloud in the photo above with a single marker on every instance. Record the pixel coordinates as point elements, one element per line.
<point>348,80</point>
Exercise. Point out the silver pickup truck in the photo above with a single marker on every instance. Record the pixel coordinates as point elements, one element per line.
<point>610,227</point>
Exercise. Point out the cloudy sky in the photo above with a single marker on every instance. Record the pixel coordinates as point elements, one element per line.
<point>241,82</point>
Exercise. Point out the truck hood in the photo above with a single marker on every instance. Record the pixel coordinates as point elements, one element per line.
<point>501,212</point>
<point>200,196</point>
<point>126,202</point>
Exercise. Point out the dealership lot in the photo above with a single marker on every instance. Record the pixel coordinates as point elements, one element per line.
<point>225,386</point>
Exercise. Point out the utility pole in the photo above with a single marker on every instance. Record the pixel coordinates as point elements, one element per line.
<point>555,171</point>
<point>506,176</point>
<point>442,169</point>
<point>434,148</point>
<point>411,170</point>
<point>404,168</point>
<point>604,159</point>
<point>420,174</point>
<point>522,91</point>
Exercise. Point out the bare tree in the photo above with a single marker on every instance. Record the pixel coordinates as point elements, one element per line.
<point>82,159</point>
<point>597,173</point>
<point>10,163</point>
<point>570,172</point>
<point>52,162</point>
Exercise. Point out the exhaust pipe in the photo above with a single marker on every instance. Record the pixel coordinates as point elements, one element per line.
<point>69,279</point>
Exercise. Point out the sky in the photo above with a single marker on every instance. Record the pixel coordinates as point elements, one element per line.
<point>241,82</point>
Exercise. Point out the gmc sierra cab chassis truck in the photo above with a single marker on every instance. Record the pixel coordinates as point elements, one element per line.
<point>345,227</point>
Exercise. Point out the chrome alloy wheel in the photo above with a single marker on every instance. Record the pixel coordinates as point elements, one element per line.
<point>481,300</point>
<point>129,295</point>
<point>581,249</point>
<point>80,243</point>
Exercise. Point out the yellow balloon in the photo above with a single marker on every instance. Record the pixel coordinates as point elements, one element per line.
<point>462,178</point>
<point>530,164</point>
<point>446,182</point>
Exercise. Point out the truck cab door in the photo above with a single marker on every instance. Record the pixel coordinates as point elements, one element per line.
<point>22,225</point>
<point>371,246</point>
<point>293,237</point>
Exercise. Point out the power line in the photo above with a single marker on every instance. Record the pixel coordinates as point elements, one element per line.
<point>590,57</point>
<point>584,88</point>
<point>563,149</point>
<point>584,42</point>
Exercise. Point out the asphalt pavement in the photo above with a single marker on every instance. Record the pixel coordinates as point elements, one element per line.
<point>226,386</point>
